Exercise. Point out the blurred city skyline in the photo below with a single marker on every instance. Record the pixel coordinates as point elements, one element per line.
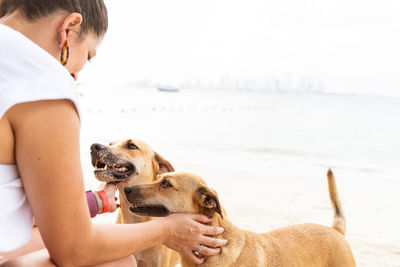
<point>312,46</point>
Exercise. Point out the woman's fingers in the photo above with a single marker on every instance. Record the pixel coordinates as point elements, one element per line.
<point>190,256</point>
<point>206,251</point>
<point>211,230</point>
<point>201,218</point>
<point>187,232</point>
<point>213,242</point>
<point>205,229</point>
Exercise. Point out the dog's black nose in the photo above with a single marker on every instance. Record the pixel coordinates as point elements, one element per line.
<point>128,189</point>
<point>97,147</point>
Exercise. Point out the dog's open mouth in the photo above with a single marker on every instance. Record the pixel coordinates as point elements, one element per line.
<point>150,210</point>
<point>108,172</point>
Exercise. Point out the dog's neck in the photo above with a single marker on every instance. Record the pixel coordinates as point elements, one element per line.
<point>219,221</point>
<point>228,253</point>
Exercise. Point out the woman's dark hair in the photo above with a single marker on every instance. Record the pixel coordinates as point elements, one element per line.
<point>94,12</point>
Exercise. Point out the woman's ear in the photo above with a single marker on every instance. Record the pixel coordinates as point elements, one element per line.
<point>163,164</point>
<point>72,22</point>
<point>208,199</point>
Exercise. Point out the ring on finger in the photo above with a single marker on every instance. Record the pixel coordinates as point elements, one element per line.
<point>197,252</point>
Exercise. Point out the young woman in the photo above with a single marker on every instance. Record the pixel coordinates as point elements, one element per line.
<point>43,46</point>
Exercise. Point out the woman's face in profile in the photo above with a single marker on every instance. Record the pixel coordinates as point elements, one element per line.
<point>81,49</point>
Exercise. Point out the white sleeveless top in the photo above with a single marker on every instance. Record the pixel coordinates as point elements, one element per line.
<point>27,73</point>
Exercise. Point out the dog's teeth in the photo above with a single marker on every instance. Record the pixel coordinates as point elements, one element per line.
<point>122,169</point>
<point>107,167</point>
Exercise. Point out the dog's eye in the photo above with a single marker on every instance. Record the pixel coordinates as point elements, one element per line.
<point>131,146</point>
<point>166,184</point>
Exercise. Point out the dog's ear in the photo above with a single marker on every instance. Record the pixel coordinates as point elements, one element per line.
<point>163,164</point>
<point>208,199</point>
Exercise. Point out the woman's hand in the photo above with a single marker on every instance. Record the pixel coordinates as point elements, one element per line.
<point>186,232</point>
<point>112,199</point>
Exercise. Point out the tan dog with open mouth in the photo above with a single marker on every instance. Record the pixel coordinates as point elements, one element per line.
<point>303,245</point>
<point>128,163</point>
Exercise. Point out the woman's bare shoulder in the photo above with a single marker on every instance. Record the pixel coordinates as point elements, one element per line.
<point>24,113</point>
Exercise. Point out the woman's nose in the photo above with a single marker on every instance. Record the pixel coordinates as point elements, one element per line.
<point>74,75</point>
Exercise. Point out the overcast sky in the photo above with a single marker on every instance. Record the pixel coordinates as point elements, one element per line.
<point>349,45</point>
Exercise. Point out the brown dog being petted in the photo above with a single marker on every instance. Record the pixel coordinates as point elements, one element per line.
<point>128,163</point>
<point>303,245</point>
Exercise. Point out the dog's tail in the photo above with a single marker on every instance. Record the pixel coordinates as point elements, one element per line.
<point>339,221</point>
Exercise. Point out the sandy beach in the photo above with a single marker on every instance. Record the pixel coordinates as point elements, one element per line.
<point>267,155</point>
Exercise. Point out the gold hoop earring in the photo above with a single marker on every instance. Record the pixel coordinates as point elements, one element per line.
<point>64,53</point>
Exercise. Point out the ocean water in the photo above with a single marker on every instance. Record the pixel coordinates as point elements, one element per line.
<point>354,132</point>
<point>266,154</point>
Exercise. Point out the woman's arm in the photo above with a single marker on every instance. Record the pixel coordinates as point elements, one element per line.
<point>48,158</point>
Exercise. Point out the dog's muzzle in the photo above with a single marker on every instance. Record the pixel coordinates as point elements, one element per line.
<point>109,167</point>
<point>140,208</point>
